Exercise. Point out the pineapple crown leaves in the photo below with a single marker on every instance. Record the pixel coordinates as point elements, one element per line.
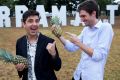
<point>55,20</point>
<point>6,56</point>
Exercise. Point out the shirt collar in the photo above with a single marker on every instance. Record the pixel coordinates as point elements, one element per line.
<point>36,39</point>
<point>98,25</point>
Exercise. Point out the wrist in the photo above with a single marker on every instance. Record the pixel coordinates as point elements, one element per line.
<point>58,36</point>
<point>53,55</point>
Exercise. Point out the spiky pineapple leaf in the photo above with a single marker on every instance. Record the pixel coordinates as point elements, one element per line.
<point>55,22</point>
<point>6,56</point>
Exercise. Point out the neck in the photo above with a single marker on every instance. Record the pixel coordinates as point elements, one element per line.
<point>32,39</point>
<point>94,22</point>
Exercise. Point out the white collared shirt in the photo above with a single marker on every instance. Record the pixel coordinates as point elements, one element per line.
<point>32,52</point>
<point>99,38</point>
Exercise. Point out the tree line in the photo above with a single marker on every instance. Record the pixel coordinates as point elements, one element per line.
<point>71,5</point>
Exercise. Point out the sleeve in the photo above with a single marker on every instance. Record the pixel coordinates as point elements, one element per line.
<point>69,46</point>
<point>56,61</point>
<point>18,51</point>
<point>105,39</point>
<point>72,47</point>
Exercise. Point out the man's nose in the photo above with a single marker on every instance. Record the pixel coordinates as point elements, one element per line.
<point>34,23</point>
<point>82,19</point>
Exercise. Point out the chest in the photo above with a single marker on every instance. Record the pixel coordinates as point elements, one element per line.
<point>91,37</point>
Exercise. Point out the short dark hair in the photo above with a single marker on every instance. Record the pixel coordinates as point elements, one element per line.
<point>89,6</point>
<point>28,14</point>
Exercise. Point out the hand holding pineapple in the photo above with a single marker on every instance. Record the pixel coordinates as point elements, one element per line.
<point>56,29</point>
<point>20,67</point>
<point>16,60</point>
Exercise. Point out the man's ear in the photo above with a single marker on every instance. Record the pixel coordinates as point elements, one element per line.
<point>23,25</point>
<point>94,13</point>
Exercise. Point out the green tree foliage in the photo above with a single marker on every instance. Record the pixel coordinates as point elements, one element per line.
<point>48,3</point>
<point>9,3</point>
<point>29,3</point>
<point>103,3</point>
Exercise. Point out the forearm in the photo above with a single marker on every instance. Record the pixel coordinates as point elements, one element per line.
<point>86,49</point>
<point>68,45</point>
<point>56,62</point>
<point>96,54</point>
<point>63,40</point>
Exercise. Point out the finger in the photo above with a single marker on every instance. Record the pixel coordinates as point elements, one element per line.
<point>20,67</point>
<point>23,67</point>
<point>68,33</point>
<point>53,27</point>
<point>48,46</point>
<point>54,42</point>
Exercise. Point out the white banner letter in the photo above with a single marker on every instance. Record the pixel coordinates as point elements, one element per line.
<point>4,16</point>
<point>19,10</point>
<point>77,20</point>
<point>112,9</point>
<point>43,20</point>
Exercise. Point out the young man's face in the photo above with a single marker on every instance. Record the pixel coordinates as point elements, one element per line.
<point>31,25</point>
<point>87,18</point>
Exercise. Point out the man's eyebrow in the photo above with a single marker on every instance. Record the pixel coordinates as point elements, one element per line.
<point>30,19</point>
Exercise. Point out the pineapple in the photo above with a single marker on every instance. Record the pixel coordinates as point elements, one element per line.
<point>55,22</point>
<point>9,58</point>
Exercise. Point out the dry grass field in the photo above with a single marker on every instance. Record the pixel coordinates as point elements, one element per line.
<point>8,37</point>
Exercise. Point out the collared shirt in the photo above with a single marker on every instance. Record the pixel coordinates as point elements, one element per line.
<point>31,54</point>
<point>99,38</point>
<point>31,51</point>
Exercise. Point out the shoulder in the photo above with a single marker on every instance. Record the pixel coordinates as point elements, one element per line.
<point>106,26</point>
<point>45,38</point>
<point>20,39</point>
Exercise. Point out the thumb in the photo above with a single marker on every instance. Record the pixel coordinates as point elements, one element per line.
<point>53,27</point>
<point>54,43</point>
<point>68,33</point>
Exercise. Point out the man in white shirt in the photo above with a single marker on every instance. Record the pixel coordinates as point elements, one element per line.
<point>94,41</point>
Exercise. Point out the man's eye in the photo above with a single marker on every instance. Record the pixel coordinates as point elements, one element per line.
<point>37,21</point>
<point>82,16</point>
<point>30,21</point>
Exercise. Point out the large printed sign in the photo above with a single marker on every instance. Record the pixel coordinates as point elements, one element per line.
<point>20,9</point>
